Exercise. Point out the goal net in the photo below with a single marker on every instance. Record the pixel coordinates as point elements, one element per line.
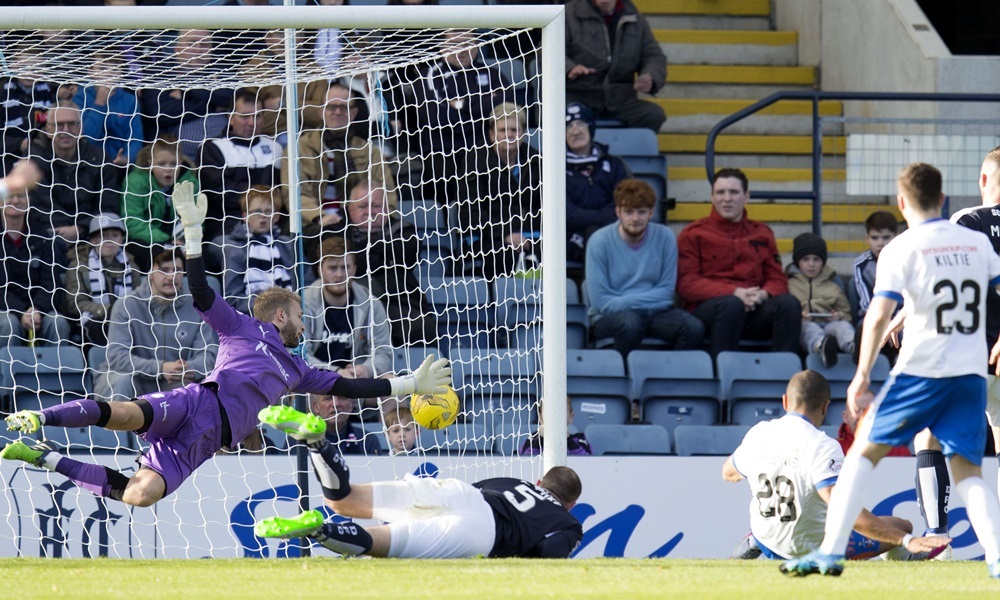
<point>387,167</point>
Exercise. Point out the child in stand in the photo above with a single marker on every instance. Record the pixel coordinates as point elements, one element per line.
<point>401,431</point>
<point>826,312</point>
<point>576,443</point>
<point>880,228</point>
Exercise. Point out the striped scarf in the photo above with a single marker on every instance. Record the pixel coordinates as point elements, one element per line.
<point>264,268</point>
<point>110,283</point>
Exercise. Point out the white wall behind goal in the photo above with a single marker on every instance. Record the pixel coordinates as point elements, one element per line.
<point>631,506</point>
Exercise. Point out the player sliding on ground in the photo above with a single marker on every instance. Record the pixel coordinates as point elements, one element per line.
<point>792,468</point>
<point>943,273</point>
<point>186,426</point>
<point>429,518</point>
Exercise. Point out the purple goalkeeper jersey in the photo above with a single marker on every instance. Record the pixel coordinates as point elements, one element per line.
<point>254,369</point>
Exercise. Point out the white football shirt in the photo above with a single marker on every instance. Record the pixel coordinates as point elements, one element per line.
<point>785,461</point>
<point>942,273</point>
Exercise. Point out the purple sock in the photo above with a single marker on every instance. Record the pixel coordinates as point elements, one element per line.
<point>76,413</point>
<point>95,478</point>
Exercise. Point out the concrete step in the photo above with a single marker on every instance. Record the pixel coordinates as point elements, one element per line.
<point>671,143</point>
<point>720,47</point>
<point>715,91</point>
<point>783,118</point>
<point>711,22</point>
<point>690,184</point>
<point>788,212</point>
<point>755,161</point>
<point>732,75</point>
<point>745,8</point>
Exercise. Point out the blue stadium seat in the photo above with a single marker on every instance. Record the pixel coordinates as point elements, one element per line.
<point>708,440</point>
<point>519,300</point>
<point>577,326</point>
<point>496,386</point>
<point>753,383</point>
<point>840,376</point>
<point>460,438</point>
<point>572,292</point>
<point>465,311</point>
<point>629,141</point>
<point>598,387</point>
<point>607,439</point>
<point>676,387</point>
<point>44,375</point>
<point>425,215</point>
<point>409,358</point>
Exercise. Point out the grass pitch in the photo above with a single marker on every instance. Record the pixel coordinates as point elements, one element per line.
<point>481,579</point>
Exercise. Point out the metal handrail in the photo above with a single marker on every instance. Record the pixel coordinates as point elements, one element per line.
<point>817,152</point>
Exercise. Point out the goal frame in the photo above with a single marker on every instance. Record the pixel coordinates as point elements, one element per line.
<point>549,18</point>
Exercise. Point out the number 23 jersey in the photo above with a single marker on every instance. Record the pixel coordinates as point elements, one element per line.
<point>786,461</point>
<point>943,273</point>
<point>530,522</point>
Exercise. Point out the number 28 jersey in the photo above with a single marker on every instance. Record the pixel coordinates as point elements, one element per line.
<point>786,461</point>
<point>942,273</point>
<point>530,522</point>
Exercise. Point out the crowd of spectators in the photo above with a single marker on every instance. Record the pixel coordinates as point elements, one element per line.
<point>91,255</point>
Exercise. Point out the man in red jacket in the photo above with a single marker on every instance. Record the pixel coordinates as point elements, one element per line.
<point>729,273</point>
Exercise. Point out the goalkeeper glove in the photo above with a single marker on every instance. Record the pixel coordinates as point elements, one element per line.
<point>430,378</point>
<point>192,214</point>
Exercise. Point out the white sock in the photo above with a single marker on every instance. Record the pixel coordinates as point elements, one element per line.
<point>50,460</point>
<point>984,513</point>
<point>845,504</point>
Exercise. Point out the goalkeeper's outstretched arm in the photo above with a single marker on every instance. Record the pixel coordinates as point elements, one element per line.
<point>192,214</point>
<point>430,378</point>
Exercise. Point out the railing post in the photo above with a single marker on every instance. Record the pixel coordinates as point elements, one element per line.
<point>817,200</point>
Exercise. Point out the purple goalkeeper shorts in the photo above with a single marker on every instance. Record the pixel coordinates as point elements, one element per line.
<point>185,432</point>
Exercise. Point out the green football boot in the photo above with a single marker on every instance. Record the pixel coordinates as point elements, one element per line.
<point>303,525</point>
<point>300,426</point>
<point>23,421</point>
<point>21,451</point>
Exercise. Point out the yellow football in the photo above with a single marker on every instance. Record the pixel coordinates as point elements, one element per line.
<point>435,411</point>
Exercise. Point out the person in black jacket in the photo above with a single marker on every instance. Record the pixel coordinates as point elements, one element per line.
<point>434,518</point>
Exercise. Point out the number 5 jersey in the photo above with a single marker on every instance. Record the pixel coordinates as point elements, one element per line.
<point>530,521</point>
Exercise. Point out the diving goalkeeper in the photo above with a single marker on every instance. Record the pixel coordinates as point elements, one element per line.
<point>186,426</point>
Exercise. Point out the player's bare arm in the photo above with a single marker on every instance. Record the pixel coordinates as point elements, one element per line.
<point>890,529</point>
<point>729,472</point>
<point>876,323</point>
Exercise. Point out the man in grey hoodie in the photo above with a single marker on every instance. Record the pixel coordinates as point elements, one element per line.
<point>156,339</point>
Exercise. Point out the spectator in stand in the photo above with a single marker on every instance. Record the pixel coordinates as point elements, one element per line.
<point>337,412</point>
<point>78,180</point>
<point>576,443</point>
<point>826,312</point>
<point>347,330</point>
<point>611,57</point>
<point>156,339</point>
<point>401,431</point>
<point>501,220</point>
<point>880,228</point>
<point>388,264</point>
<point>333,157</point>
<point>111,116</point>
<point>147,208</point>
<point>849,427</point>
<point>100,274</point>
<point>27,277</point>
<point>23,104</point>
<point>730,273</point>
<point>591,177</point>
<point>454,98</point>
<point>631,272</point>
<point>231,164</point>
<point>256,255</point>
<point>191,114</point>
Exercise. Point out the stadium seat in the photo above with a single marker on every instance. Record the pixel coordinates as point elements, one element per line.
<point>675,387</point>
<point>626,141</point>
<point>608,439</point>
<point>44,375</point>
<point>840,376</point>
<point>572,292</point>
<point>465,311</point>
<point>425,215</point>
<point>598,387</point>
<point>519,300</point>
<point>708,440</point>
<point>496,386</point>
<point>753,383</point>
<point>577,326</point>
<point>410,357</point>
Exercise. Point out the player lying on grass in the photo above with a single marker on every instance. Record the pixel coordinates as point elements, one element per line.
<point>792,468</point>
<point>186,426</point>
<point>943,273</point>
<point>429,518</point>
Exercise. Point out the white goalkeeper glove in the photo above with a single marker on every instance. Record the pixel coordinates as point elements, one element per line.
<point>430,378</point>
<point>192,214</point>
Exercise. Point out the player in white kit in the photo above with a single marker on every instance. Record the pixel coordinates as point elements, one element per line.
<point>792,467</point>
<point>943,273</point>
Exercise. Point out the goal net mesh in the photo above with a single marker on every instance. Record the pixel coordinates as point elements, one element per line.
<point>410,156</point>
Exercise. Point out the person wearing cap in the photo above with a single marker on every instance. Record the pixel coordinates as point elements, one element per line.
<point>611,57</point>
<point>100,273</point>
<point>730,276</point>
<point>591,177</point>
<point>826,312</point>
<point>27,277</point>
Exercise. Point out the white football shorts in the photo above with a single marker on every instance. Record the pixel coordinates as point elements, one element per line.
<point>434,518</point>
